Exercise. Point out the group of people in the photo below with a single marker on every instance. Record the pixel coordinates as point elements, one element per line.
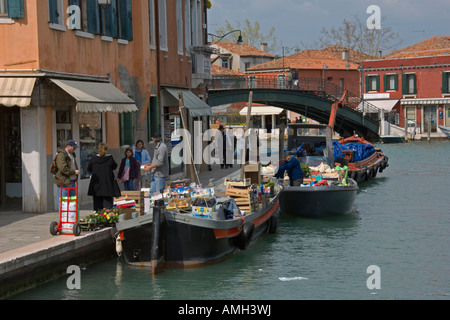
<point>103,185</point>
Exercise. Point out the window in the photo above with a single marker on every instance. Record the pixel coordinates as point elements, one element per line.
<point>90,137</point>
<point>187,24</point>
<point>153,123</point>
<point>446,82</point>
<point>251,82</point>
<point>56,12</point>
<point>390,82</point>
<point>411,116</point>
<point>163,25</point>
<point>11,8</point>
<point>226,63</point>
<point>179,9</point>
<point>373,83</point>
<point>151,19</point>
<point>409,83</point>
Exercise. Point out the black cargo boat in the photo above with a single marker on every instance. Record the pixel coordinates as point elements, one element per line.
<point>170,239</point>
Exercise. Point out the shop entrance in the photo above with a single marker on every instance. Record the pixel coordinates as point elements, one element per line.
<point>10,160</point>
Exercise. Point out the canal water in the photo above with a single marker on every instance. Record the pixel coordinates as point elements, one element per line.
<point>394,245</point>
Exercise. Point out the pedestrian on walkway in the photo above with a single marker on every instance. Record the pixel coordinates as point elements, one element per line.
<point>159,166</point>
<point>128,170</point>
<point>67,173</point>
<point>103,186</point>
<point>142,157</point>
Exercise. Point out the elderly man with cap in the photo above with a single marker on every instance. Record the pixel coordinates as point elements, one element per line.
<point>67,173</point>
<point>292,166</point>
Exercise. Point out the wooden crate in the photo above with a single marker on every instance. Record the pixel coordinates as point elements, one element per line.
<point>253,172</point>
<point>243,197</point>
<point>237,183</point>
<point>138,197</point>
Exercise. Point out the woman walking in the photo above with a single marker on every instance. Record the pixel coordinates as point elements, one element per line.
<point>103,186</point>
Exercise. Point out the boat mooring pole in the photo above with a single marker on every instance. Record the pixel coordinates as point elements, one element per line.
<point>158,238</point>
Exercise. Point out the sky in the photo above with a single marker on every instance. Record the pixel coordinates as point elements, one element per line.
<point>299,22</point>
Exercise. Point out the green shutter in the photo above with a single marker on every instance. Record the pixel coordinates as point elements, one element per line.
<point>367,83</point>
<point>153,117</point>
<point>445,82</point>
<point>126,128</point>
<point>93,16</point>
<point>109,15</point>
<point>395,82</point>
<point>52,11</point>
<point>415,84</point>
<point>15,8</point>
<point>126,19</point>
<point>404,85</point>
<point>377,77</point>
<point>385,82</point>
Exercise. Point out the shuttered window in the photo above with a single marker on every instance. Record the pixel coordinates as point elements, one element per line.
<point>13,8</point>
<point>372,83</point>
<point>126,128</point>
<point>445,82</point>
<point>390,82</point>
<point>409,84</point>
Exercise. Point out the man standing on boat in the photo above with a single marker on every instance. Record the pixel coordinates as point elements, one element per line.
<point>159,166</point>
<point>294,171</point>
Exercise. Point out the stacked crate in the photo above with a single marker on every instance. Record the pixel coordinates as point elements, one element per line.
<point>242,192</point>
<point>138,197</point>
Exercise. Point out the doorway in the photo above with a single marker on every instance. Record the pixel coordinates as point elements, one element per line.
<point>10,159</point>
<point>429,112</point>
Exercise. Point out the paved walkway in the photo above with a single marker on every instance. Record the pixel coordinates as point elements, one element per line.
<point>19,229</point>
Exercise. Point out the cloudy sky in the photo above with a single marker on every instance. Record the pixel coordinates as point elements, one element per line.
<point>298,22</point>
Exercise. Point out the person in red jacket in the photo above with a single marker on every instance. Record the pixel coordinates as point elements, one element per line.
<point>128,170</point>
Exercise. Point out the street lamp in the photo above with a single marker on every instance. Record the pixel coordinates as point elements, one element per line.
<point>238,42</point>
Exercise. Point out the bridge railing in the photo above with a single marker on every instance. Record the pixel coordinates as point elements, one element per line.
<point>315,86</point>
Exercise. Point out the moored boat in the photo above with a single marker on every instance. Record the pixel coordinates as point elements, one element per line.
<point>445,130</point>
<point>319,201</point>
<point>392,139</point>
<point>165,238</point>
<point>363,159</point>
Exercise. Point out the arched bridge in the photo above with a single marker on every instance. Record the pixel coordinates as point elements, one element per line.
<point>310,97</point>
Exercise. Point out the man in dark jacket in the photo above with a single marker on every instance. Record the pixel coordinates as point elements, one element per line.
<point>294,171</point>
<point>67,173</point>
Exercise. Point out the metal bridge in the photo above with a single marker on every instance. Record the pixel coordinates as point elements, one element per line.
<point>310,97</point>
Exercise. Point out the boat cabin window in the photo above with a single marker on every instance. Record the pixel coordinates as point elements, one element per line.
<point>311,132</point>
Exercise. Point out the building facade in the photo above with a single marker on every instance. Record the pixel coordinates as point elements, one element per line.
<point>76,69</point>
<point>412,85</point>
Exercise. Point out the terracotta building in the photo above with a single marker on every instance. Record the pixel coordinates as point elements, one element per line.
<point>77,69</point>
<point>412,84</point>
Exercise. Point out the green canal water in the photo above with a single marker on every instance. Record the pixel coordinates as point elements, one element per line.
<point>400,223</point>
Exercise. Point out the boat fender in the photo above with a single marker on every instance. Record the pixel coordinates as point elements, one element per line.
<point>273,224</point>
<point>375,170</point>
<point>368,174</point>
<point>245,236</point>
<point>382,165</point>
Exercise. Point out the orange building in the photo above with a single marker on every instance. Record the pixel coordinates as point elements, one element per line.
<point>93,73</point>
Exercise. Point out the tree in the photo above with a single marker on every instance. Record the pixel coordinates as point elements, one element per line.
<point>251,34</point>
<point>354,35</point>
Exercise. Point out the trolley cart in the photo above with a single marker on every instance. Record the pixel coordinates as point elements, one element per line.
<point>68,214</point>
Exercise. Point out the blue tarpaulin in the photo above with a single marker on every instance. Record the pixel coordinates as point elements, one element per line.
<point>361,151</point>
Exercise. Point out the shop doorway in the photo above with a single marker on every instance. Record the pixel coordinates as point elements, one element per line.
<point>429,112</point>
<point>447,116</point>
<point>10,160</point>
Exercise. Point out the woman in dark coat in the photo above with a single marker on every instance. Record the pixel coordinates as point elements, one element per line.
<point>103,186</point>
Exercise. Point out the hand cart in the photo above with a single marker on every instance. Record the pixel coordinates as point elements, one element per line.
<point>68,213</point>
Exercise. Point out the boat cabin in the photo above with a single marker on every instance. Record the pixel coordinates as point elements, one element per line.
<point>315,141</point>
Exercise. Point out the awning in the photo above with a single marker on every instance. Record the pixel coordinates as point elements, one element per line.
<point>16,91</point>
<point>195,105</point>
<point>379,104</point>
<point>97,96</point>
<point>261,111</point>
<point>430,101</point>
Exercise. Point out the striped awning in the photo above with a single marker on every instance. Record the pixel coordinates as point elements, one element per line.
<point>16,91</point>
<point>194,104</point>
<point>431,101</point>
<point>97,96</point>
<point>261,111</point>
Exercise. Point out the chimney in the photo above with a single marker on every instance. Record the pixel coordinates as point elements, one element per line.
<point>380,54</point>
<point>345,55</point>
<point>264,47</point>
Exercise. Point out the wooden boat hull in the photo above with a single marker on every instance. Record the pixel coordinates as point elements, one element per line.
<point>188,241</point>
<point>318,202</point>
<point>367,169</point>
<point>392,139</point>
